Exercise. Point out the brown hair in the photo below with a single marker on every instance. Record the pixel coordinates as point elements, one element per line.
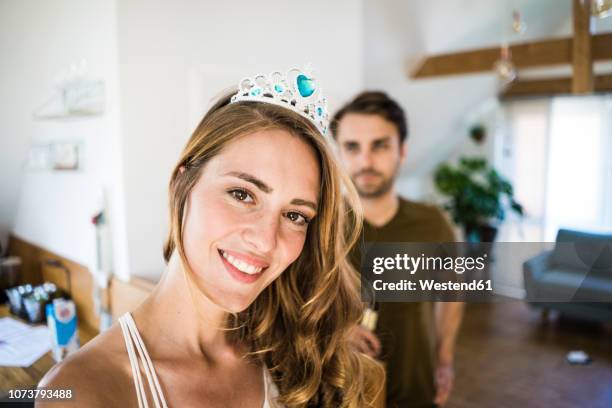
<point>298,326</point>
<point>374,103</point>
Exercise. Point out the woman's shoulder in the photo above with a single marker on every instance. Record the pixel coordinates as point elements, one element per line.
<point>98,374</point>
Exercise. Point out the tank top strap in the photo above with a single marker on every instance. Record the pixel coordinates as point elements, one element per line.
<point>270,390</point>
<point>265,381</point>
<point>139,357</point>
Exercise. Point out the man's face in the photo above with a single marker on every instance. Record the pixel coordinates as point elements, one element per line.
<point>371,152</point>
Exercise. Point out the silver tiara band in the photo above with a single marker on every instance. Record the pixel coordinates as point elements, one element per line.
<point>298,90</point>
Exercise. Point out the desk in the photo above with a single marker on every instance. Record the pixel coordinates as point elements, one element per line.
<point>28,377</point>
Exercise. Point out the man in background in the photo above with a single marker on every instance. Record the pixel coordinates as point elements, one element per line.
<point>415,340</point>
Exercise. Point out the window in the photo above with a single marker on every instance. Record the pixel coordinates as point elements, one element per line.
<point>558,153</point>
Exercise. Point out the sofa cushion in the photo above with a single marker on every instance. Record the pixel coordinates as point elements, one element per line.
<point>573,285</point>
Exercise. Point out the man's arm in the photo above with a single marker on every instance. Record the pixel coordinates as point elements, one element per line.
<point>448,314</point>
<point>448,321</point>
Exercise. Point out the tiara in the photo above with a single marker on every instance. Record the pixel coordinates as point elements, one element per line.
<point>298,91</point>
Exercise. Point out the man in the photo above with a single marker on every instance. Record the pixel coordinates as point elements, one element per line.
<point>415,340</point>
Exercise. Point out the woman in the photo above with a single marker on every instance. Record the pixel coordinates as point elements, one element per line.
<point>257,300</point>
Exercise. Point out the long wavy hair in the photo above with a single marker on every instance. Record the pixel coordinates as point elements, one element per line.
<point>298,326</point>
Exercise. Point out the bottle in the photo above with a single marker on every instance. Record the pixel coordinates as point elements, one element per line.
<point>62,323</point>
<point>370,317</point>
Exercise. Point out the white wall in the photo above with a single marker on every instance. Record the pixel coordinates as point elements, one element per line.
<point>162,61</point>
<point>398,34</point>
<point>173,56</point>
<point>38,41</point>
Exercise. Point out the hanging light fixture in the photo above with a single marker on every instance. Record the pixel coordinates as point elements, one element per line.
<point>601,8</point>
<point>518,24</point>
<point>504,67</point>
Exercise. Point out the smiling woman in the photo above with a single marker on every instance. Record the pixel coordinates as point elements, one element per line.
<point>248,215</point>
<point>258,297</point>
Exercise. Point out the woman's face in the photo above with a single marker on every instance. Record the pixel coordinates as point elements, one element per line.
<point>248,214</point>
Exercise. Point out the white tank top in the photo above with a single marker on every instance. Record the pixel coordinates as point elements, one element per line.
<point>139,356</point>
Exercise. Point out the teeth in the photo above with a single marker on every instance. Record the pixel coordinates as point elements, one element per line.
<point>241,265</point>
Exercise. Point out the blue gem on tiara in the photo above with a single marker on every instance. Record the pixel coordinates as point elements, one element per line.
<point>297,90</point>
<point>305,85</point>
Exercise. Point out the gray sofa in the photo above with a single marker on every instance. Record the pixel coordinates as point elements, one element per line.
<point>575,277</point>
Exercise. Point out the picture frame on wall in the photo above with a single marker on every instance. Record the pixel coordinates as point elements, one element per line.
<point>65,156</point>
<point>57,156</point>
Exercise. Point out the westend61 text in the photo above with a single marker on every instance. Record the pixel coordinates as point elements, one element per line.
<point>430,284</point>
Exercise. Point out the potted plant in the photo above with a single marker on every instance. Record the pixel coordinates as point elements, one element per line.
<point>478,133</point>
<point>477,195</point>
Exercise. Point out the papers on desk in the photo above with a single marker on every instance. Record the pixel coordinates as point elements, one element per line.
<point>20,344</point>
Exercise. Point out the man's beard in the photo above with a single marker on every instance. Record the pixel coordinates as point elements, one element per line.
<point>384,185</point>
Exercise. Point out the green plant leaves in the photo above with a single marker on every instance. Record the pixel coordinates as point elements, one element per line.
<point>475,191</point>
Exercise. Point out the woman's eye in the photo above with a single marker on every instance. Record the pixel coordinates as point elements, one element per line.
<point>241,195</point>
<point>298,218</point>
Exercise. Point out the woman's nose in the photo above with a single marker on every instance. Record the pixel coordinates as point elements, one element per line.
<point>262,233</point>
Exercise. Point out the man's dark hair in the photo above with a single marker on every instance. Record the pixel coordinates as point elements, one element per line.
<point>374,103</point>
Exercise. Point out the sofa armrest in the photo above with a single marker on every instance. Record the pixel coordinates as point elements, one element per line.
<point>533,269</point>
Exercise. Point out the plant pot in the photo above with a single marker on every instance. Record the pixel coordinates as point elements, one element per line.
<point>480,233</point>
<point>478,133</point>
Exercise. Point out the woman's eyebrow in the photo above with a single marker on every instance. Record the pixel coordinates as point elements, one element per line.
<point>251,179</point>
<point>267,189</point>
<point>299,201</point>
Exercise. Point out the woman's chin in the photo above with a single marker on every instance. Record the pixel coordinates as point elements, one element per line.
<point>235,304</point>
<point>237,308</point>
<point>226,297</point>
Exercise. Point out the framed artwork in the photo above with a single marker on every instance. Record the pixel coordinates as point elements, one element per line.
<point>61,156</point>
<point>65,156</point>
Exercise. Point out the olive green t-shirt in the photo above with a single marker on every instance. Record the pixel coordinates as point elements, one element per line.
<point>407,330</point>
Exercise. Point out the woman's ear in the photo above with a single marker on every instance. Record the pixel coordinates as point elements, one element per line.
<point>182,169</point>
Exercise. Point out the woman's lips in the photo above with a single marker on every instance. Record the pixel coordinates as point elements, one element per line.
<point>237,273</point>
<point>251,260</point>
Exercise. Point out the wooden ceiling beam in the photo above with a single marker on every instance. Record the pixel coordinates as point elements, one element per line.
<point>552,86</point>
<point>582,60</point>
<point>526,55</point>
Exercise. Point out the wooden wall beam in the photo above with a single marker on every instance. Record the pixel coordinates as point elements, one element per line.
<point>127,296</point>
<point>553,86</point>
<point>526,55</point>
<point>601,47</point>
<point>582,60</point>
